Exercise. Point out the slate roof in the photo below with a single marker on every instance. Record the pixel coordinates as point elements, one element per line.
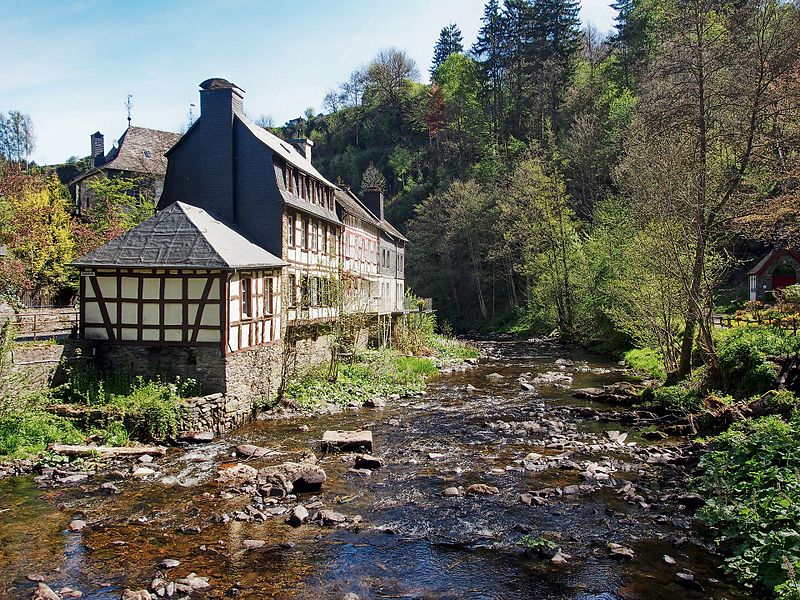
<point>283,149</point>
<point>352,205</point>
<point>181,236</point>
<point>140,150</point>
<point>308,207</point>
<point>391,230</point>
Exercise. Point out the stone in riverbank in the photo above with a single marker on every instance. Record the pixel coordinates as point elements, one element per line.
<point>334,441</point>
<point>44,592</point>
<point>293,477</point>
<point>367,461</point>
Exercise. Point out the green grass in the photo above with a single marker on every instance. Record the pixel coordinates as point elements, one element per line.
<point>26,434</point>
<point>646,361</point>
<point>452,349</point>
<point>377,373</point>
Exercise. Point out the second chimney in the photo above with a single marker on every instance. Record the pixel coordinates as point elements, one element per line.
<point>303,146</point>
<point>374,201</point>
<point>98,149</point>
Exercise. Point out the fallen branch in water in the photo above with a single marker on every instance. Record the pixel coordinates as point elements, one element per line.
<point>67,450</point>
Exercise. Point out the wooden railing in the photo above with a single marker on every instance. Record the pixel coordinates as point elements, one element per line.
<point>791,324</point>
<point>37,324</point>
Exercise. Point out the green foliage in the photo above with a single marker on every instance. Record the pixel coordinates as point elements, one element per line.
<point>148,409</point>
<point>25,434</point>
<point>539,545</point>
<point>752,481</point>
<point>744,356</point>
<point>647,361</point>
<point>683,398</point>
<point>376,374</point>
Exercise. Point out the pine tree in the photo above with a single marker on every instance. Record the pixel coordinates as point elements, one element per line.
<point>632,39</point>
<point>488,51</point>
<point>449,42</point>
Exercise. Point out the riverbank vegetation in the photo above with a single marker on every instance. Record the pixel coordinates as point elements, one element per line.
<point>417,353</point>
<point>111,408</point>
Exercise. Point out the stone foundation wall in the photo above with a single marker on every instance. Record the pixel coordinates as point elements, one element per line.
<point>215,413</point>
<point>204,363</point>
<point>235,386</point>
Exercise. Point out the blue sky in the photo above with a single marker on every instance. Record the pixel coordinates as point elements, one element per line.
<point>70,64</point>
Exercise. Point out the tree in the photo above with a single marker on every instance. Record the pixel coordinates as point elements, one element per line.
<point>537,221</point>
<point>17,139</point>
<point>489,52</point>
<point>36,229</point>
<point>389,75</point>
<point>701,149</point>
<point>449,42</point>
<point>373,179</point>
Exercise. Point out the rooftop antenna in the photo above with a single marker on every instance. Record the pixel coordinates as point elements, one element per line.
<point>191,114</point>
<point>129,106</point>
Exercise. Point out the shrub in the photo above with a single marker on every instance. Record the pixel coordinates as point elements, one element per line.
<point>752,481</point>
<point>25,434</point>
<point>647,361</point>
<point>745,368</point>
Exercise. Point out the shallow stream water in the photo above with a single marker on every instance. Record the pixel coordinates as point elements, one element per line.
<point>413,541</point>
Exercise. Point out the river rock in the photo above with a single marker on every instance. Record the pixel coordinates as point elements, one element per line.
<point>129,594</point>
<point>691,501</point>
<point>251,451</point>
<point>481,489</point>
<point>471,388</point>
<point>564,362</point>
<point>351,596</point>
<point>253,544</point>
<point>687,580</point>
<point>375,403</point>
<point>77,525</point>
<point>495,376</point>
<point>527,387</point>
<point>347,440</point>
<point>44,592</point>
<point>451,492</point>
<point>331,517</point>
<point>169,563</point>
<point>237,472</point>
<point>367,461</point>
<point>300,477</point>
<point>143,472</point>
<point>619,551</point>
<point>299,516</point>
<point>199,437</point>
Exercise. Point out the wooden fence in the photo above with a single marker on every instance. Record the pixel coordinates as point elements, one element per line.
<point>791,324</point>
<point>36,324</point>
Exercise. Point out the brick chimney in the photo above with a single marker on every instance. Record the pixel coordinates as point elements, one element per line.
<point>303,146</point>
<point>98,149</point>
<point>374,201</point>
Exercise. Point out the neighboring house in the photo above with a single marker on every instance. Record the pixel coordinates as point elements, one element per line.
<point>777,270</point>
<point>139,154</point>
<point>391,258</point>
<point>266,186</point>
<point>359,250</point>
<point>182,280</point>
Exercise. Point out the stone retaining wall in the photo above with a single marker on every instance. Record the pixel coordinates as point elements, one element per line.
<point>43,364</point>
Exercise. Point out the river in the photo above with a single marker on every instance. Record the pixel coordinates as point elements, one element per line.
<point>413,541</point>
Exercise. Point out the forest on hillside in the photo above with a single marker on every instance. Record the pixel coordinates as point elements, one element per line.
<point>553,177</point>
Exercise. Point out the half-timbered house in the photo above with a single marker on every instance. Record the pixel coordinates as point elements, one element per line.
<point>182,279</point>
